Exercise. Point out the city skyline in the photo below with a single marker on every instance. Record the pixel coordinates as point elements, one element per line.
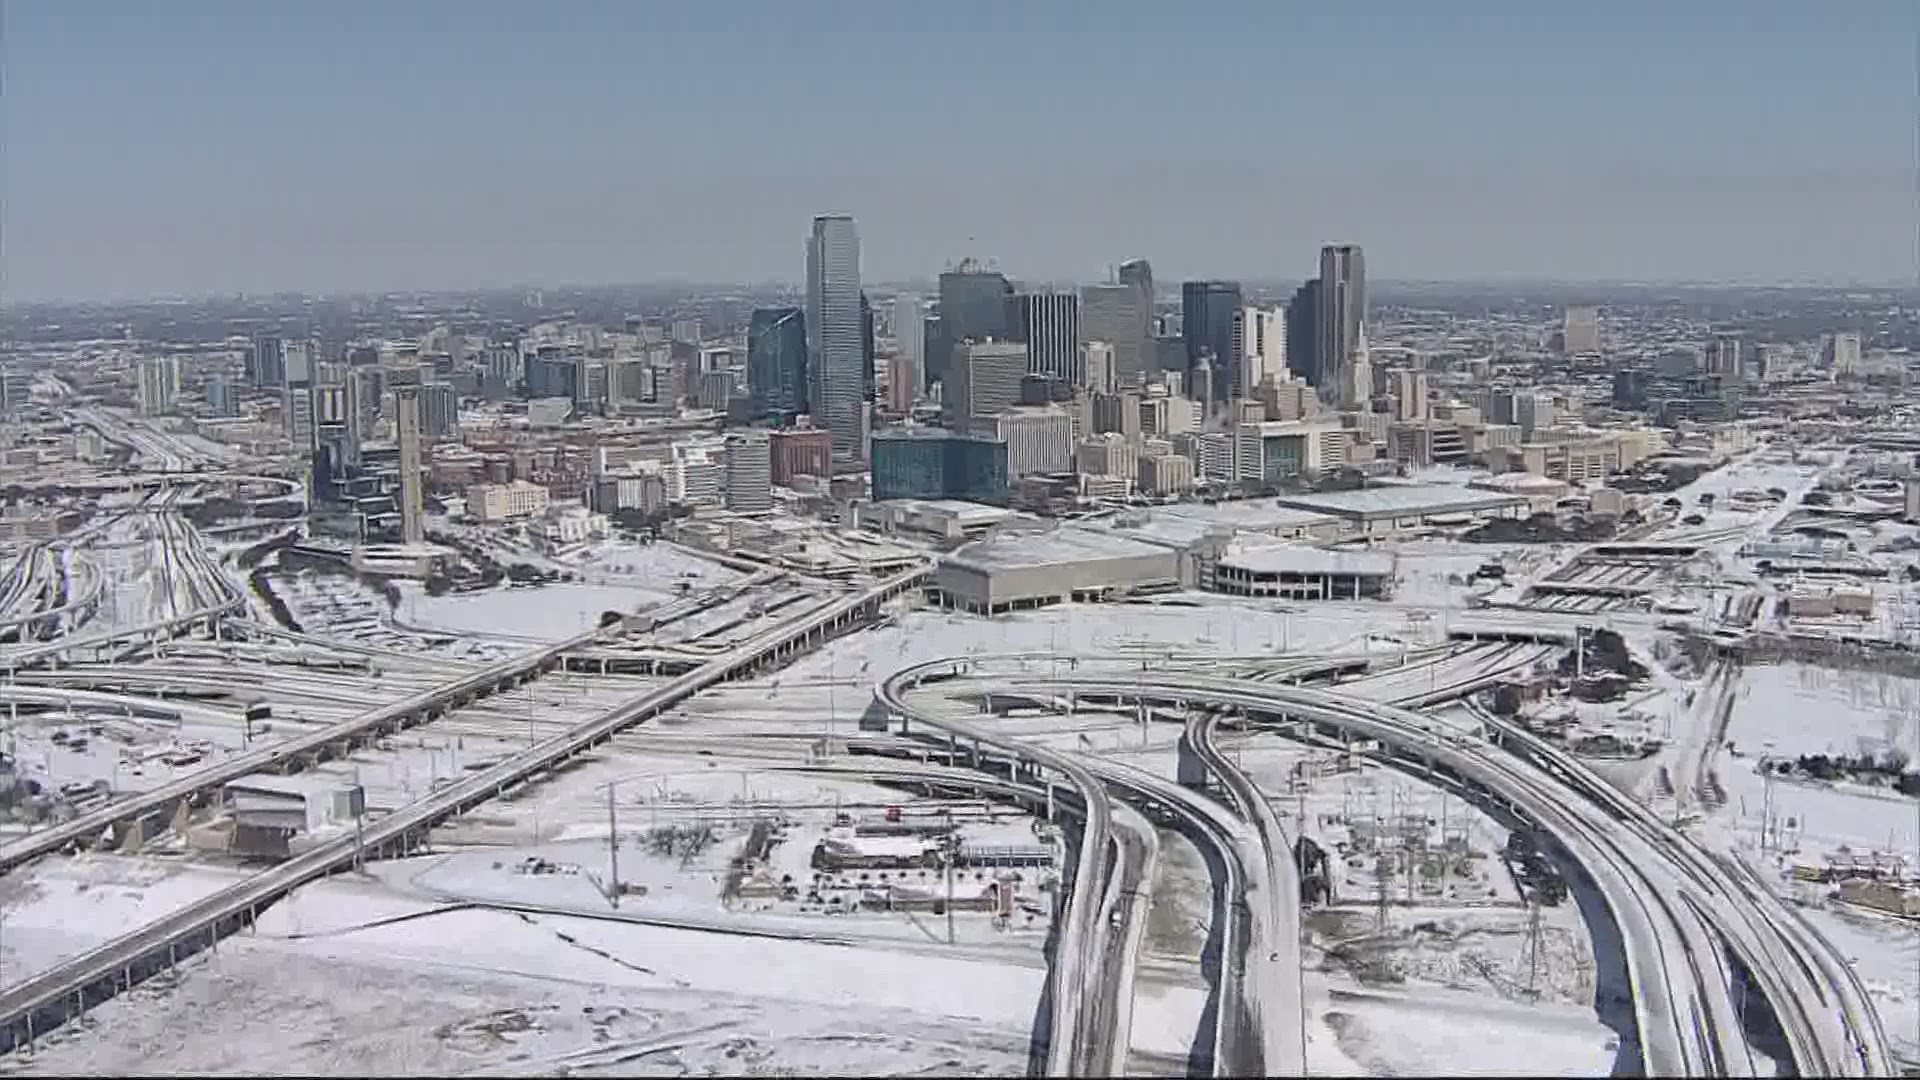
<point>456,146</point>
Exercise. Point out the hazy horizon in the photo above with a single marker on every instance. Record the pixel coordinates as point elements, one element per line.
<point>213,147</point>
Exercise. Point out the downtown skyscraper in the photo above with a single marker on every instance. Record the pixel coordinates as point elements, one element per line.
<point>836,332</point>
<point>777,364</point>
<point>1050,323</point>
<point>1208,312</point>
<point>1340,314</point>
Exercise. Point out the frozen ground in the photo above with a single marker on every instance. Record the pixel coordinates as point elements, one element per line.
<point>369,987</point>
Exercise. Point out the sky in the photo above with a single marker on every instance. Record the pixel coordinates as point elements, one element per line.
<point>201,146</point>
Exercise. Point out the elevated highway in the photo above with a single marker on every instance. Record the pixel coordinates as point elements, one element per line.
<point>45,1001</point>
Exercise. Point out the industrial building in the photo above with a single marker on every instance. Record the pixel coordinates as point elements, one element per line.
<point>1014,570</point>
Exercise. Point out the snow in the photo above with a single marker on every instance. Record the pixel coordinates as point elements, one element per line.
<point>544,613</point>
<point>371,987</point>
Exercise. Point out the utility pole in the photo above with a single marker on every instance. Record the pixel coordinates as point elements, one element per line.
<point>953,850</point>
<point>1533,947</point>
<point>613,851</point>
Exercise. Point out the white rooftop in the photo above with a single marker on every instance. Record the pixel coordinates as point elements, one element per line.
<point>1297,559</point>
<point>1058,547</point>
<point>1399,498</point>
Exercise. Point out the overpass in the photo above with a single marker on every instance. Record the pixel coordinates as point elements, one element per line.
<point>1676,906</point>
<point>43,1002</point>
<point>460,690</point>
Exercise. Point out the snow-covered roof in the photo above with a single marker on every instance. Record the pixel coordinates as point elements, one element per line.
<point>1296,559</point>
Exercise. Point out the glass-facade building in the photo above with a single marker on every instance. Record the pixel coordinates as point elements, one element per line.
<point>930,463</point>
<point>777,364</point>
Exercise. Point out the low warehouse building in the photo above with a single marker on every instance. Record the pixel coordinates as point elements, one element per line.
<point>1016,570</point>
<point>1304,573</point>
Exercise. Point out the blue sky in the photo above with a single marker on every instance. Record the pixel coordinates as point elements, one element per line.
<point>187,147</point>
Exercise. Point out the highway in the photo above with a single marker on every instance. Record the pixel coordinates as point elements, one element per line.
<point>40,1003</point>
<point>1676,914</point>
<point>1255,1033</point>
<point>1825,1010</point>
<point>1076,1041</point>
<point>461,688</point>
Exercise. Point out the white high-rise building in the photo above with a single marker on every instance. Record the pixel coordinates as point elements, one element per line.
<point>1409,395</point>
<point>1098,361</point>
<point>1844,357</point>
<point>1580,332</point>
<point>749,471</point>
<point>406,430</point>
<point>159,384</point>
<point>1356,376</point>
<point>1261,336</point>
<point>836,332</point>
<point>910,339</point>
<point>1039,439</point>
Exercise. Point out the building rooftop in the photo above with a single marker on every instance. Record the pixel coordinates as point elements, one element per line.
<point>1252,515</point>
<point>966,513</point>
<point>1014,550</point>
<point>930,434</point>
<point>1399,499</point>
<point>1297,559</point>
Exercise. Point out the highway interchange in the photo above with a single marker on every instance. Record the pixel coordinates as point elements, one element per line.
<point>1703,940</point>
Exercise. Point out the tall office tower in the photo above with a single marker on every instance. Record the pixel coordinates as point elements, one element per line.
<point>1303,339</point>
<point>868,374</point>
<point>1533,412</point>
<point>1580,333</point>
<point>1841,353</point>
<point>777,364</point>
<point>974,303</point>
<point>1207,311</point>
<point>1122,316</point>
<point>300,359</point>
<point>1772,361</point>
<point>1340,311</point>
<point>1260,336</point>
<point>1409,395</point>
<point>439,410</point>
<point>749,472</point>
<point>1039,439</point>
<point>1356,377</point>
<point>159,384</point>
<point>910,342</point>
<point>1723,356</point>
<point>1201,378</point>
<point>1100,361</point>
<point>986,379</point>
<point>686,331</point>
<point>296,411</point>
<point>267,363</point>
<point>220,400</point>
<point>406,429</point>
<point>1050,323</point>
<point>835,331</point>
<point>1139,274</point>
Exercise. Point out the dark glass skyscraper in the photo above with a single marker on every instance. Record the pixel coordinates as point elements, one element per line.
<point>1050,324</point>
<point>975,304</point>
<point>777,364</point>
<point>928,463</point>
<point>1303,332</point>
<point>1207,311</point>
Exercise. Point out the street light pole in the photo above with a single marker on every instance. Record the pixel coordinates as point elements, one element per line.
<point>613,851</point>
